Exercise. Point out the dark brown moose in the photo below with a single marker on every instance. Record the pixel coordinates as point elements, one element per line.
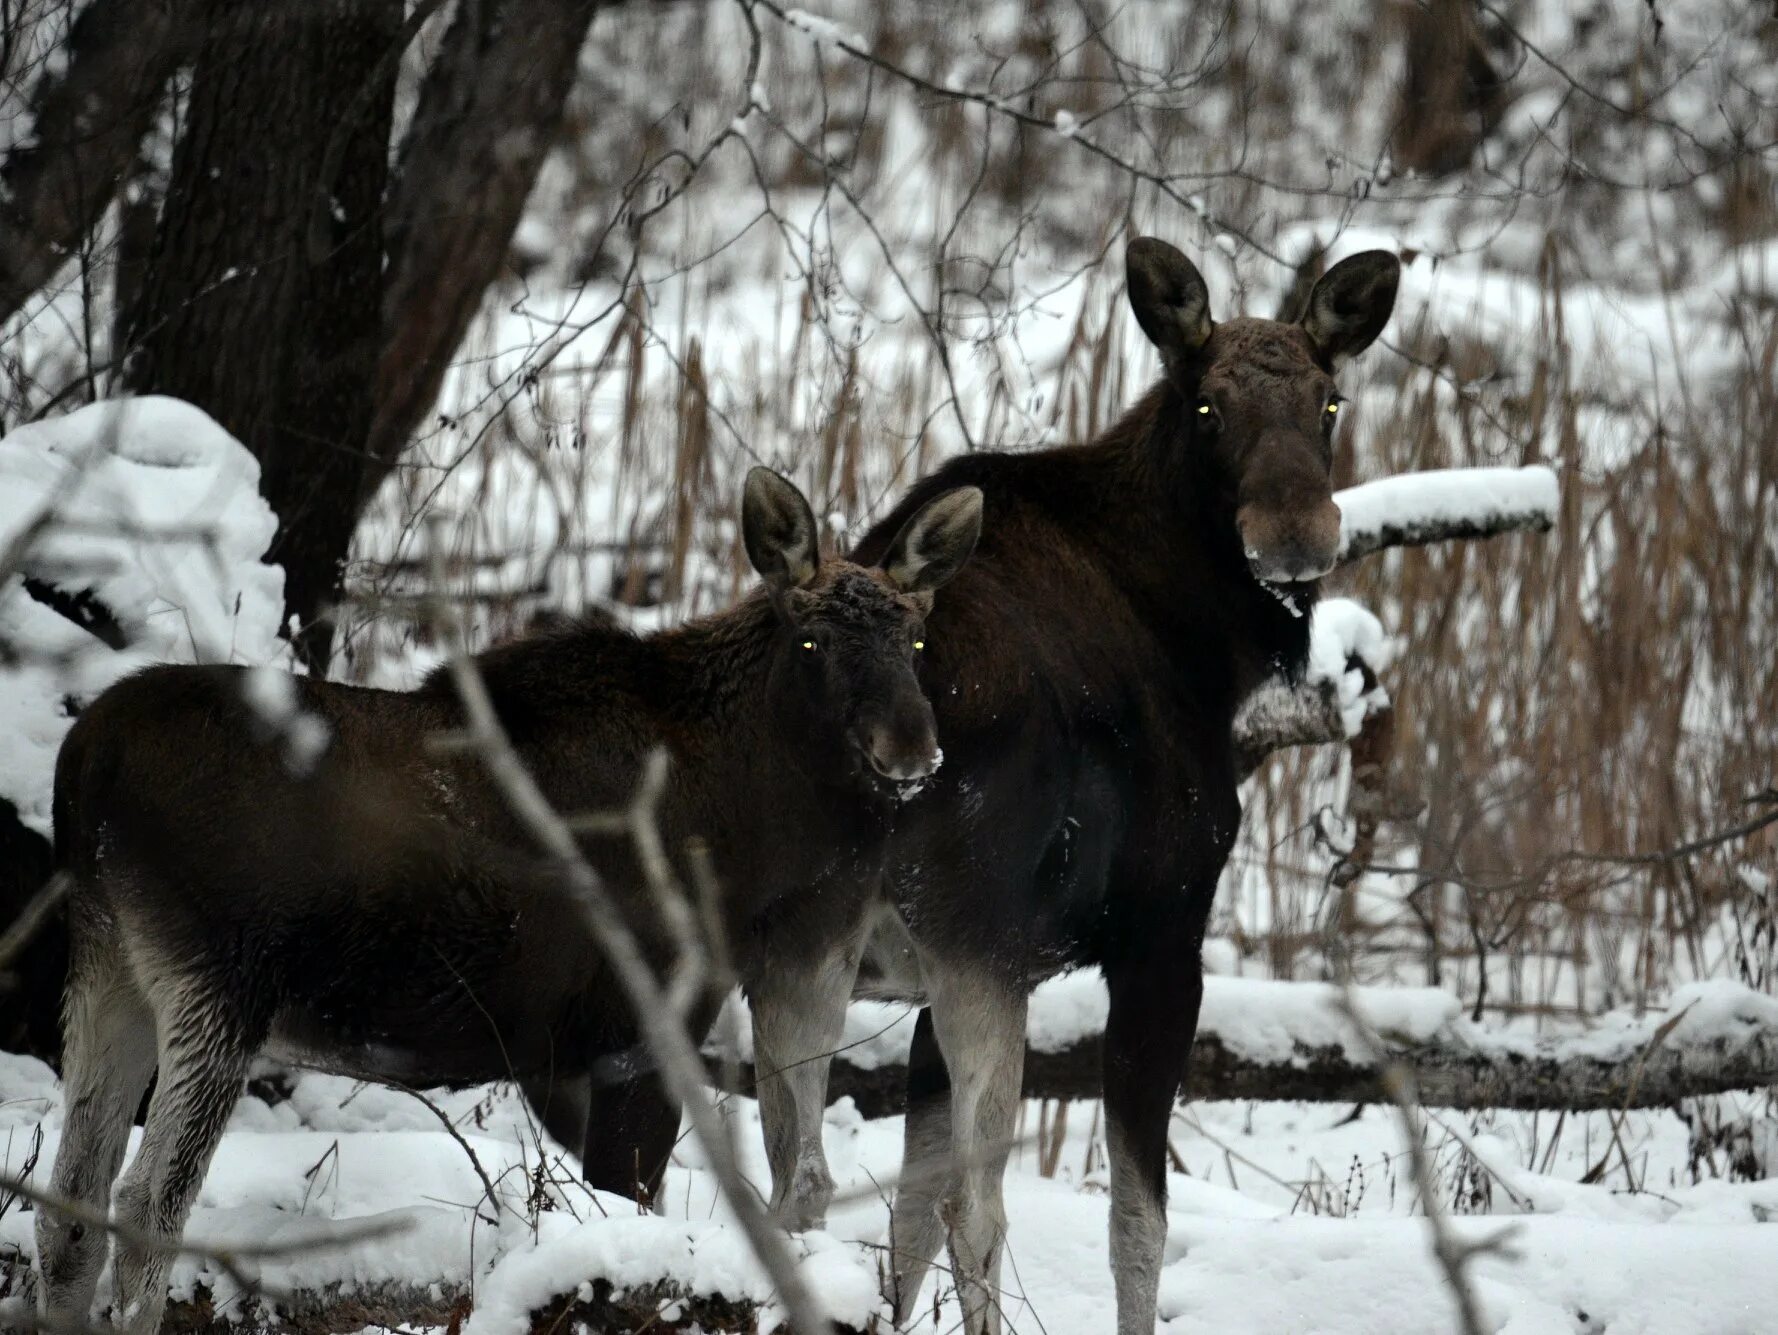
<point>1125,596</point>
<point>374,909</point>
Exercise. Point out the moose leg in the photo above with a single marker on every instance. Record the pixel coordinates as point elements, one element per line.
<point>979,1020</point>
<point>561,1104</point>
<point>799,1013</point>
<point>1148,1037</point>
<point>928,1174</point>
<point>631,1128</point>
<point>108,1056</point>
<point>206,1043</point>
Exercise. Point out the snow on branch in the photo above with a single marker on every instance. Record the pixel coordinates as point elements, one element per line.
<point>1268,1040</point>
<point>1440,505</point>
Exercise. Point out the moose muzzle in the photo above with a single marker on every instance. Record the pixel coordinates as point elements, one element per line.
<point>1286,516</point>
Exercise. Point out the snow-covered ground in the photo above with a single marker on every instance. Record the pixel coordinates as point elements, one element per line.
<point>1286,1218</point>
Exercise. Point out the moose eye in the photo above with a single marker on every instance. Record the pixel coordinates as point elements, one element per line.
<point>919,644</point>
<point>1205,412</point>
<point>1333,410</point>
<point>809,646</point>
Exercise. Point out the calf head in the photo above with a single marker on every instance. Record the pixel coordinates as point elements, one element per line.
<point>842,681</point>
<point>1259,398</point>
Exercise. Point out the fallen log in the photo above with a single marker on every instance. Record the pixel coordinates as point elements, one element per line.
<point>661,1307</point>
<point>1284,1041</point>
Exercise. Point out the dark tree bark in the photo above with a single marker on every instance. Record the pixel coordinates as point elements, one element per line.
<point>262,299</point>
<point>489,109</point>
<point>88,120</point>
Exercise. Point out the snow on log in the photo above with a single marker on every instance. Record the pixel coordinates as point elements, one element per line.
<point>1437,506</point>
<point>1268,1040</point>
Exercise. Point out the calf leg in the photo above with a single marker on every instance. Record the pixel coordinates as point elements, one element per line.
<point>928,1174</point>
<point>1148,1037</point>
<point>799,1013</point>
<point>207,1040</point>
<point>979,1021</point>
<point>108,1055</point>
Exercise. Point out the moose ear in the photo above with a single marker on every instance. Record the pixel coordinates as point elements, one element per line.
<point>1168,294</point>
<point>778,529</point>
<point>934,544</point>
<point>1350,304</point>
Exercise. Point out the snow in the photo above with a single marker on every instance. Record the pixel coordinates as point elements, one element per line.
<point>1340,633</point>
<point>1261,1236</point>
<point>1379,1277</point>
<point>155,510</point>
<point>1416,501</point>
<point>698,1257</point>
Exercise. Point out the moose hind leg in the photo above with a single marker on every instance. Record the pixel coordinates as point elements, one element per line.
<point>980,1023</point>
<point>1148,1037</point>
<point>928,1176</point>
<point>799,1013</point>
<point>207,1040</point>
<point>107,1059</point>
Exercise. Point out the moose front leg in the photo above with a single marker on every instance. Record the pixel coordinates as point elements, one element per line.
<point>1155,998</point>
<point>799,1012</point>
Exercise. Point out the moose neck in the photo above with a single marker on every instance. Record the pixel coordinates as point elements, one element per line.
<point>1171,515</point>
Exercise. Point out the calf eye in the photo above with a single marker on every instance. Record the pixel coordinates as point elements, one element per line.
<point>809,646</point>
<point>919,644</point>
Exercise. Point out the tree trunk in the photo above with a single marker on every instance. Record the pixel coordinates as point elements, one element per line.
<point>262,299</point>
<point>489,110</point>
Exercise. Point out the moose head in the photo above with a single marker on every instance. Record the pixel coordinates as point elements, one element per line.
<point>849,636</point>
<point>1259,397</point>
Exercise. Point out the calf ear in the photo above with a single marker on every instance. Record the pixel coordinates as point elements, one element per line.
<point>934,544</point>
<point>1168,294</point>
<point>1350,304</point>
<point>778,529</point>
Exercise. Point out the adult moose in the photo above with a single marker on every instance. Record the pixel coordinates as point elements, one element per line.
<point>1125,596</point>
<point>376,911</point>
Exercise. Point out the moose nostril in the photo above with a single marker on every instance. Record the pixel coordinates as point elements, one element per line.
<point>892,758</point>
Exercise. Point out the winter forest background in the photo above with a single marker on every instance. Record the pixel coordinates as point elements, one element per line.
<point>295,298</point>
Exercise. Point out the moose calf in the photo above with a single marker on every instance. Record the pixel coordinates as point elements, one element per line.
<point>368,905</point>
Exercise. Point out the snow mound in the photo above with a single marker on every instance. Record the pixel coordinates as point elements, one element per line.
<point>692,1257</point>
<point>149,509</point>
